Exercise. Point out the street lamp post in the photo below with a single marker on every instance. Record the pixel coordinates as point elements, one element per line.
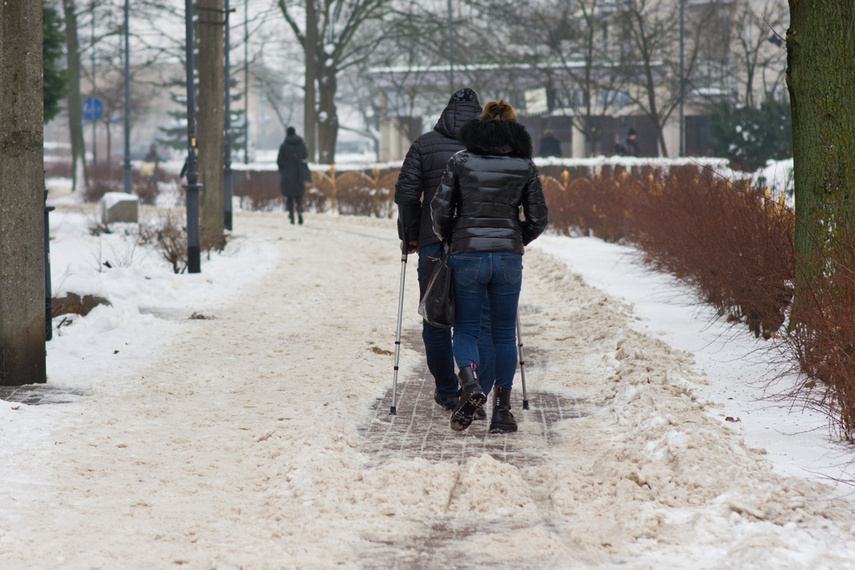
<point>192,186</point>
<point>95,120</point>
<point>682,81</point>
<point>450,47</point>
<point>127,177</point>
<point>227,170</point>
<point>246,84</point>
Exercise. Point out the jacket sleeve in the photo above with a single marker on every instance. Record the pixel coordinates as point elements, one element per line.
<point>408,195</point>
<point>442,207</point>
<point>304,152</point>
<point>280,159</point>
<point>534,208</point>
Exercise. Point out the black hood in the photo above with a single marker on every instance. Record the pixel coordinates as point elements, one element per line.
<point>455,114</point>
<point>293,140</point>
<point>496,137</point>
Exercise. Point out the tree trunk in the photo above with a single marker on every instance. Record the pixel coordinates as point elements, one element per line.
<point>310,114</point>
<point>109,146</point>
<point>821,81</point>
<point>211,121</point>
<point>75,103</point>
<point>22,258</point>
<point>327,117</point>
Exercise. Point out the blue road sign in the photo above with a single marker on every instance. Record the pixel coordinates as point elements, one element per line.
<point>93,108</point>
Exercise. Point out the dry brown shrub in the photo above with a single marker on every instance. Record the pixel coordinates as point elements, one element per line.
<point>582,198</point>
<point>321,194</point>
<point>110,177</point>
<point>355,194</point>
<point>172,243</point>
<point>101,181</point>
<point>349,192</point>
<point>822,338</point>
<point>385,198</point>
<point>558,202</point>
<point>258,190</point>
<point>735,246</point>
<point>728,241</point>
<point>731,243</point>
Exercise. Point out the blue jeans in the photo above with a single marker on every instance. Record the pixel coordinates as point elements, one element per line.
<point>498,276</point>
<point>438,350</point>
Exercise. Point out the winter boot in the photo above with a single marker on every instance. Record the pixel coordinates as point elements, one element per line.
<point>447,403</point>
<point>291,216</point>
<point>300,218</point>
<point>503,420</point>
<point>480,414</point>
<point>470,396</point>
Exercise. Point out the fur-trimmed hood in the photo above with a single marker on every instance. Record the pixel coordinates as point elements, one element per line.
<point>496,137</point>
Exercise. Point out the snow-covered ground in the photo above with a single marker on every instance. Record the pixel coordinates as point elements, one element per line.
<point>215,420</point>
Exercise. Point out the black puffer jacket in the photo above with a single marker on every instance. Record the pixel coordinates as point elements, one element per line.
<point>292,153</point>
<point>478,203</point>
<point>423,168</point>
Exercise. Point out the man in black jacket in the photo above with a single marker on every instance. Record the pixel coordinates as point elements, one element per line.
<point>549,144</point>
<point>420,176</point>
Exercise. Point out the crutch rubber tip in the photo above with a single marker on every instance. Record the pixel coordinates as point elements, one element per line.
<point>525,404</point>
<point>393,411</point>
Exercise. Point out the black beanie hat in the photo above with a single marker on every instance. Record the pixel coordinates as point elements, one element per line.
<point>290,131</point>
<point>464,94</point>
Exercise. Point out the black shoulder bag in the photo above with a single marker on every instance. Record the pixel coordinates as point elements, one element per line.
<point>437,304</point>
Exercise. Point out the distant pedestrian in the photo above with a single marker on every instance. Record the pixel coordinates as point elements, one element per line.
<point>549,144</point>
<point>151,165</point>
<point>292,166</point>
<point>629,147</point>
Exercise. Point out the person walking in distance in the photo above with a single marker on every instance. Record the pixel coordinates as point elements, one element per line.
<point>417,182</point>
<point>291,162</point>
<point>477,209</point>
<point>549,144</point>
<point>629,147</point>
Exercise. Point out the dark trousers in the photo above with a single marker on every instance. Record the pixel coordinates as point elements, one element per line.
<point>289,205</point>
<point>438,348</point>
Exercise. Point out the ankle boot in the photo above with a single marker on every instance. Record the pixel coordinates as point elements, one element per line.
<point>300,219</point>
<point>470,398</point>
<point>291,216</point>
<point>503,420</point>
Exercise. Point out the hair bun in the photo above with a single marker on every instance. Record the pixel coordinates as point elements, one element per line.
<point>499,110</point>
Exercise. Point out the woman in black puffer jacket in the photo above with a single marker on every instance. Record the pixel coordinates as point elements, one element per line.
<point>476,210</point>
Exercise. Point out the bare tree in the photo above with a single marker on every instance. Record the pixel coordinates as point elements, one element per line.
<point>75,102</point>
<point>211,119</point>
<point>408,77</point>
<point>759,47</point>
<point>334,36</point>
<point>568,42</point>
<point>649,43</point>
<point>22,257</point>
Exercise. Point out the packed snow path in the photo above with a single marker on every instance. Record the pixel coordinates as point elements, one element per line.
<point>259,437</point>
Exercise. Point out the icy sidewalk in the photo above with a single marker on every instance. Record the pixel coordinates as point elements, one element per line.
<point>259,437</point>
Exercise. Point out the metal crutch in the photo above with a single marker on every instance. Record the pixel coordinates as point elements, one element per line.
<point>394,409</point>
<point>522,361</point>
